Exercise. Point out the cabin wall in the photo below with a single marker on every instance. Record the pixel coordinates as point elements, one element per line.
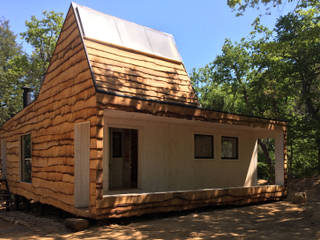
<point>226,121</point>
<point>66,97</point>
<point>166,159</point>
<point>171,179</point>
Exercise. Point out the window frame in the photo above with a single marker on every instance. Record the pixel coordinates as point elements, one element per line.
<point>211,157</point>
<point>237,147</point>
<point>23,159</point>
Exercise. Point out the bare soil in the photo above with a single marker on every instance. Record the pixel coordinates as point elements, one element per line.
<point>277,220</point>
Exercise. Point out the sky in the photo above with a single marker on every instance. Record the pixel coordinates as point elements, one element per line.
<point>199,27</point>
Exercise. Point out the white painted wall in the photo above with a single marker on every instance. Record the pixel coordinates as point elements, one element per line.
<point>166,153</point>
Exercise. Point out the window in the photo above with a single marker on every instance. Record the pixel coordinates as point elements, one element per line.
<point>229,147</point>
<point>203,146</point>
<point>26,158</point>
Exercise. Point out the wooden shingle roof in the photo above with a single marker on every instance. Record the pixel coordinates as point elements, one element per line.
<point>131,60</point>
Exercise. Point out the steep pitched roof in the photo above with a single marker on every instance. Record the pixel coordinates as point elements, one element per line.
<point>131,60</point>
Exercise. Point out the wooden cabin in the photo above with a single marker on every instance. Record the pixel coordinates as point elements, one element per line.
<point>117,130</point>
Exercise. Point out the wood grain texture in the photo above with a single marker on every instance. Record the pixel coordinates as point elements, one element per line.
<point>135,74</point>
<point>145,203</point>
<point>175,111</point>
<point>67,97</point>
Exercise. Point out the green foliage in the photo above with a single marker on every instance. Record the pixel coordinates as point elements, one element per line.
<point>42,35</point>
<point>263,170</point>
<point>19,69</point>
<point>11,72</point>
<point>273,74</point>
<point>297,44</point>
<point>266,162</point>
<point>240,6</point>
<point>235,82</point>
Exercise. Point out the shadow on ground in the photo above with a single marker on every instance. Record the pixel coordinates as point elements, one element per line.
<point>276,220</point>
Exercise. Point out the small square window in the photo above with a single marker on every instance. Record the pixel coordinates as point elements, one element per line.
<point>229,147</point>
<point>203,146</point>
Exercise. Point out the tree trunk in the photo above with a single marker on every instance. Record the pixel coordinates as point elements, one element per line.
<point>318,160</point>
<point>318,143</point>
<point>291,159</point>
<point>268,159</point>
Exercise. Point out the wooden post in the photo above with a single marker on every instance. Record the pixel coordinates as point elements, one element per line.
<point>279,159</point>
<point>81,162</point>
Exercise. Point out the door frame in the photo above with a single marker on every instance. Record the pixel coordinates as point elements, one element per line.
<point>124,123</point>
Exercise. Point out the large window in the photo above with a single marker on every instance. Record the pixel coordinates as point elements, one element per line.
<point>203,146</point>
<point>229,147</point>
<point>26,162</point>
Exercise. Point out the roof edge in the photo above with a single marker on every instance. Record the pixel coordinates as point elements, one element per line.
<point>80,28</point>
<point>276,121</point>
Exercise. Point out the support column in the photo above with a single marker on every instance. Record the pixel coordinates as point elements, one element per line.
<point>251,179</point>
<point>106,155</point>
<point>280,154</point>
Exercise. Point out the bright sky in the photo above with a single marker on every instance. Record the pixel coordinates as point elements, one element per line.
<point>199,27</point>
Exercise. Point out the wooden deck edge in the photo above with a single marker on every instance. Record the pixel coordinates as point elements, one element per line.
<point>137,204</point>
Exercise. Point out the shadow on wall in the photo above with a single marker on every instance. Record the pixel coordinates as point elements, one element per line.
<point>155,82</point>
<point>142,82</point>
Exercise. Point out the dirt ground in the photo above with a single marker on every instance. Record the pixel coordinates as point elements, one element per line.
<point>277,220</point>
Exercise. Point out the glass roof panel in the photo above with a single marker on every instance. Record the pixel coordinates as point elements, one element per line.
<point>109,29</point>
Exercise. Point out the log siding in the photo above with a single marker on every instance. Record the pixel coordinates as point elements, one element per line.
<point>67,96</point>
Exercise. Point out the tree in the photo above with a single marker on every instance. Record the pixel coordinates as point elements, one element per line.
<point>240,6</point>
<point>234,82</point>
<point>19,69</point>
<point>297,43</point>
<point>11,60</point>
<point>273,74</point>
<point>42,35</point>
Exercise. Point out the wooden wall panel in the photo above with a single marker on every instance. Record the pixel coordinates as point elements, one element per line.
<point>67,96</point>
